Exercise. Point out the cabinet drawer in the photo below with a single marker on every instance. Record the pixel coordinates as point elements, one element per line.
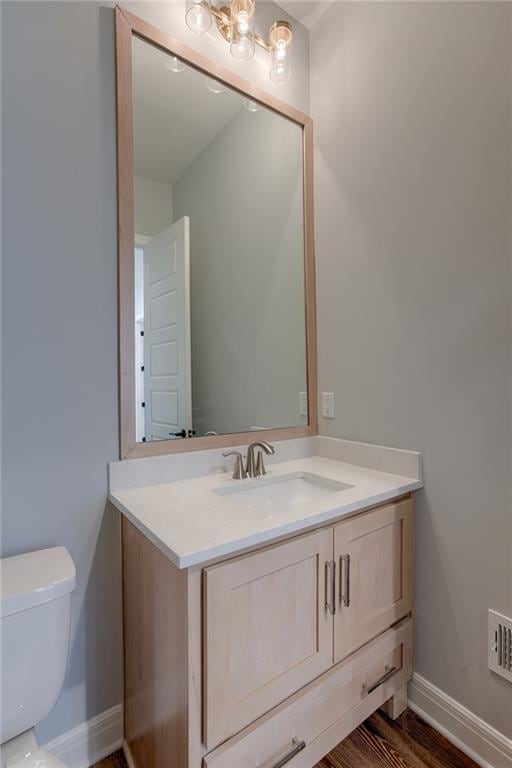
<point>316,715</point>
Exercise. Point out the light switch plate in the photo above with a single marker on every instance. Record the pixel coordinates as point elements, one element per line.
<point>328,405</point>
<point>303,403</point>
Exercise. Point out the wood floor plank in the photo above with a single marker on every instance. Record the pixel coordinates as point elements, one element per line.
<point>418,743</point>
<point>407,742</point>
<point>379,749</point>
<point>379,742</point>
<point>117,760</point>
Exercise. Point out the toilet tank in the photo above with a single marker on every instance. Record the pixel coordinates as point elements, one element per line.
<point>35,607</point>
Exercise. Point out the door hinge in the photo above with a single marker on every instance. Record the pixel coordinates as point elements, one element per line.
<point>142,367</point>
<point>143,405</point>
<point>142,333</point>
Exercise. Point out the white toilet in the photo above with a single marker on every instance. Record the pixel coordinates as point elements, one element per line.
<point>35,608</point>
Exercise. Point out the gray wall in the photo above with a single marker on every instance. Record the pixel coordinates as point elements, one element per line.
<point>243,195</point>
<point>412,105</point>
<point>59,322</point>
<point>152,206</point>
<point>59,308</point>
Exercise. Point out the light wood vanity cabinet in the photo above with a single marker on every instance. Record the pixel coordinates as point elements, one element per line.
<point>270,656</point>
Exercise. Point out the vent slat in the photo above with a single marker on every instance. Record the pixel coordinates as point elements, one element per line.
<point>500,645</point>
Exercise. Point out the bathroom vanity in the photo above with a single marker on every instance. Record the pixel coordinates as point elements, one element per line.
<point>265,619</point>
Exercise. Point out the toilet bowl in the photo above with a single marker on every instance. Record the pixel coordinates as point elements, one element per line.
<point>35,611</point>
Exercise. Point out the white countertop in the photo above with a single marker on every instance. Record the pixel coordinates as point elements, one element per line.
<point>192,524</point>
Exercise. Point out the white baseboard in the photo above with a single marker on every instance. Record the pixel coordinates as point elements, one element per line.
<point>480,741</point>
<point>90,742</point>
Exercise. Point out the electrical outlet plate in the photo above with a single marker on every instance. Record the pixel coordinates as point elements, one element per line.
<point>303,403</point>
<point>328,405</point>
<point>500,645</point>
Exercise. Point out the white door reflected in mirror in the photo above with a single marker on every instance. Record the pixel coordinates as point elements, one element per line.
<point>167,389</point>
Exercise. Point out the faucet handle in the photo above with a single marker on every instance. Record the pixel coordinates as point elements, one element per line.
<point>239,472</point>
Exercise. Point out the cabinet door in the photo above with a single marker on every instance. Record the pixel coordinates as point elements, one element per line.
<point>373,553</point>
<point>267,631</point>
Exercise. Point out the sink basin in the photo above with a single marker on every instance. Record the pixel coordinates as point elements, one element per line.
<point>283,490</point>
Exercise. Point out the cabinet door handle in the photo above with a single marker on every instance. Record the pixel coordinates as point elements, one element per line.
<point>298,746</point>
<point>390,671</point>
<point>345,594</point>
<point>330,586</point>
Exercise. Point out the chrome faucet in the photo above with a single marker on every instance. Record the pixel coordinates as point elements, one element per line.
<point>254,467</point>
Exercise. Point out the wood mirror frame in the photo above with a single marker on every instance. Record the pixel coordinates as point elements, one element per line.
<point>128,25</point>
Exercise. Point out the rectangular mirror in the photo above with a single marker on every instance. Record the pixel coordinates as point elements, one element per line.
<point>218,340</point>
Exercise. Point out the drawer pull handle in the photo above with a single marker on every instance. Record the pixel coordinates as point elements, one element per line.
<point>298,746</point>
<point>390,671</point>
<point>330,586</point>
<point>345,595</point>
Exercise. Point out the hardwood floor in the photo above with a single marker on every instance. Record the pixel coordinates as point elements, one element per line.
<point>379,743</point>
<point>407,742</point>
<point>113,761</point>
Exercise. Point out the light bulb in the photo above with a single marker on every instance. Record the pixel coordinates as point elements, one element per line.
<point>242,48</point>
<point>280,72</point>
<point>243,22</point>
<point>280,51</point>
<point>242,29</point>
<point>251,106</point>
<point>281,37</point>
<point>214,85</point>
<point>198,17</point>
<point>174,64</point>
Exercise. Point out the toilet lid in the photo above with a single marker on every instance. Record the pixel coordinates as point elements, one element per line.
<point>37,759</point>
